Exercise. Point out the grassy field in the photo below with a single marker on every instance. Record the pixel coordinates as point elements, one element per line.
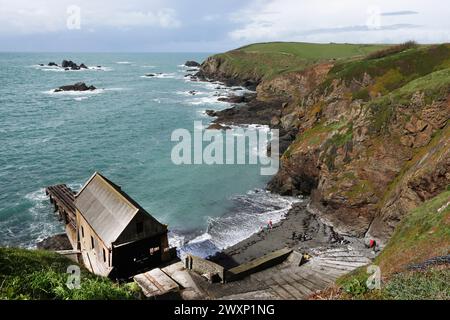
<point>42,275</point>
<point>312,51</point>
<point>423,234</point>
<point>396,70</point>
<point>265,60</point>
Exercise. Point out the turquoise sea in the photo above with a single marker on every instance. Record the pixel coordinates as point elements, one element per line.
<point>122,130</point>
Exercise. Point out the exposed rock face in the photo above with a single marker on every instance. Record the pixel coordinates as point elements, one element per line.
<point>56,242</point>
<point>254,112</point>
<point>191,63</point>
<point>79,86</point>
<point>218,126</point>
<point>52,64</point>
<point>365,152</point>
<point>218,69</point>
<point>238,99</point>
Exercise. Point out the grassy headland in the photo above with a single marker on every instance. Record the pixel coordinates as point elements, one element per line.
<point>266,60</point>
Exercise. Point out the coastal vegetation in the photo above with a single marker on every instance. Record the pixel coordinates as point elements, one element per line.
<point>267,60</point>
<point>42,275</point>
<point>408,264</point>
<point>366,134</point>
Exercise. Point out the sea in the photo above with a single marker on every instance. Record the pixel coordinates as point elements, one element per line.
<point>122,130</point>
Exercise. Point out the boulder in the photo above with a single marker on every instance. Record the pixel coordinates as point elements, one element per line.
<point>238,99</point>
<point>70,64</point>
<point>83,66</point>
<point>56,242</point>
<point>218,126</point>
<point>52,64</point>
<point>79,86</point>
<point>210,113</point>
<point>191,63</point>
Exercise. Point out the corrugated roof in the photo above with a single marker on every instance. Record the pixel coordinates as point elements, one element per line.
<point>106,208</point>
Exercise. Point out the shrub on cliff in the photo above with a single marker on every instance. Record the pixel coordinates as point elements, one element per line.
<point>392,50</point>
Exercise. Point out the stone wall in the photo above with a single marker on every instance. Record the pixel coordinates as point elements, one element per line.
<point>212,271</point>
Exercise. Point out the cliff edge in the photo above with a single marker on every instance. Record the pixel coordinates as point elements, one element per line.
<point>364,129</point>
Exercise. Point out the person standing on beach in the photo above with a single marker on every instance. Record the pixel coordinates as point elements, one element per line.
<point>270,224</point>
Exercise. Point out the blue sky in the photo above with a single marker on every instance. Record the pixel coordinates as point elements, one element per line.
<point>213,26</point>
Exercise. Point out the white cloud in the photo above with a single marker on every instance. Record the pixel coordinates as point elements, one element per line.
<point>41,16</point>
<point>342,21</point>
<point>165,18</point>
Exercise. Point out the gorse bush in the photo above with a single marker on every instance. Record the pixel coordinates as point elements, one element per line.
<point>392,50</point>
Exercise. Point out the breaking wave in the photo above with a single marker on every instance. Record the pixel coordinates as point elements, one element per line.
<point>250,212</point>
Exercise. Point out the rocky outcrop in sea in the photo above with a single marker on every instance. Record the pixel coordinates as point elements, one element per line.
<point>79,86</point>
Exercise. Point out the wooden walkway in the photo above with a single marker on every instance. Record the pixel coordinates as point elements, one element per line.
<point>62,197</point>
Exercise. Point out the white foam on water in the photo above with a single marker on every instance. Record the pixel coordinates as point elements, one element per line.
<point>176,240</point>
<point>161,76</point>
<point>123,62</point>
<point>115,89</point>
<point>189,94</point>
<point>95,68</point>
<point>53,69</point>
<point>61,69</point>
<point>37,196</point>
<point>206,100</point>
<point>80,98</point>
<point>75,93</point>
<point>203,114</point>
<point>40,226</point>
<point>251,213</point>
<point>187,67</point>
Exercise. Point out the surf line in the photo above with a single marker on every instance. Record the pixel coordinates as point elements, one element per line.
<point>231,146</point>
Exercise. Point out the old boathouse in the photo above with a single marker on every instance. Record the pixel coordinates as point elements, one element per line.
<point>110,232</point>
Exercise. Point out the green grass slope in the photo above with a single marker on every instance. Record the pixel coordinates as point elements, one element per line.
<point>394,71</point>
<point>265,60</point>
<point>422,235</point>
<point>36,274</point>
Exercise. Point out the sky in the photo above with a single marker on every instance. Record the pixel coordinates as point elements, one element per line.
<point>215,25</point>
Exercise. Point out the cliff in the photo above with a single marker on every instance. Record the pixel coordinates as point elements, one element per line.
<point>414,263</point>
<point>365,134</point>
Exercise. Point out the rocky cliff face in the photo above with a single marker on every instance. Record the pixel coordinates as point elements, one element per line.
<point>218,68</point>
<point>367,139</point>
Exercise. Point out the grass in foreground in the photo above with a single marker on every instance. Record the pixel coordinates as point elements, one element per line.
<point>41,275</point>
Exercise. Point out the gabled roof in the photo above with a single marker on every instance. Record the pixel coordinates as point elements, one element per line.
<point>106,208</point>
